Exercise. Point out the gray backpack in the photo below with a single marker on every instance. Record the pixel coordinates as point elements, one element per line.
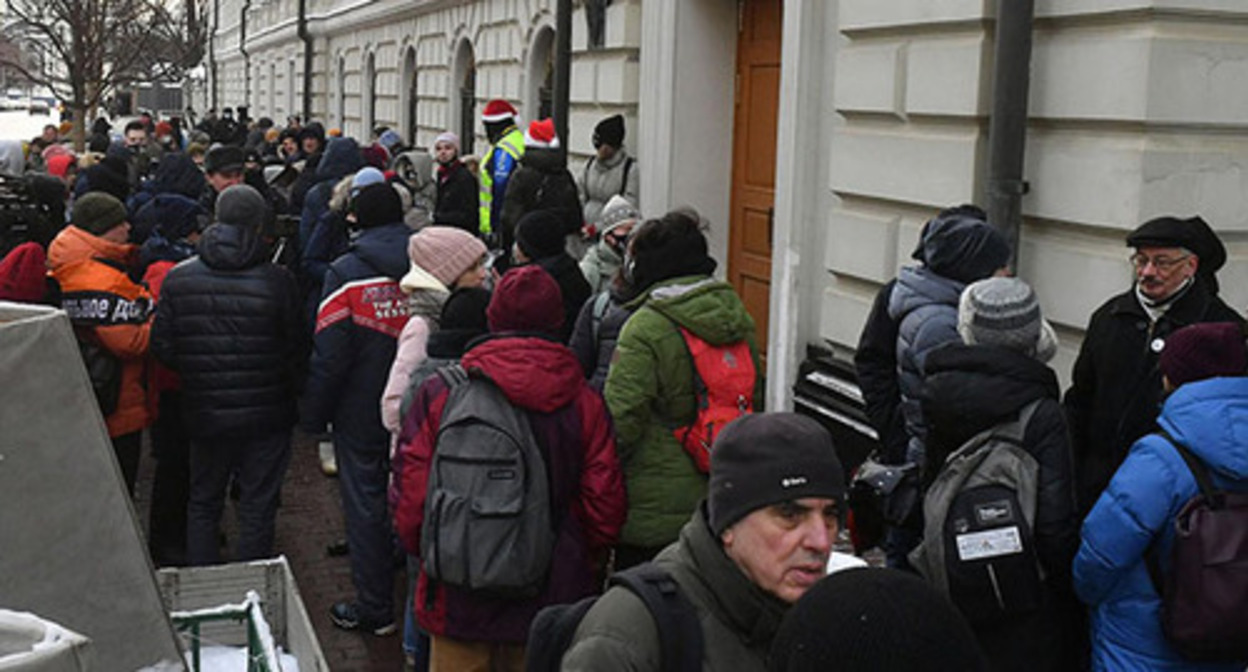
<point>488,524</point>
<point>979,514</point>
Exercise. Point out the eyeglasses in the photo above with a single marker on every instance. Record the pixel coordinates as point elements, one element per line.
<point>1139,261</point>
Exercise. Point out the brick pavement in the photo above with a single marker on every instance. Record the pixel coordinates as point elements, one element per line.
<point>309,519</point>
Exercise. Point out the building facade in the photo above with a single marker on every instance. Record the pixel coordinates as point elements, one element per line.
<point>816,136</point>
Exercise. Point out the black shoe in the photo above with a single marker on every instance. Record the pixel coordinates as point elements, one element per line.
<point>337,548</point>
<point>346,615</point>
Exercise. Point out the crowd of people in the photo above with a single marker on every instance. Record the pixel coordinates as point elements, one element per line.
<point>536,396</point>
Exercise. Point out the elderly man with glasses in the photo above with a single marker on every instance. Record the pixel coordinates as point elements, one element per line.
<point>1116,385</point>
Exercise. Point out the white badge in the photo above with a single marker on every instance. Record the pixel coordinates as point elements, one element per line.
<point>1157,344</point>
<point>989,543</point>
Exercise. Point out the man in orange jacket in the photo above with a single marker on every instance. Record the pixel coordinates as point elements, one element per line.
<point>90,259</point>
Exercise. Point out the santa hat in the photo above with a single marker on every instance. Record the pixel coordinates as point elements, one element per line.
<point>498,110</point>
<point>541,133</point>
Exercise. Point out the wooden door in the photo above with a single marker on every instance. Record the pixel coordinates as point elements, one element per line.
<point>754,157</point>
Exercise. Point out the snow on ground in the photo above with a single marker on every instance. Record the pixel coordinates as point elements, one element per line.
<point>230,659</point>
<point>21,125</point>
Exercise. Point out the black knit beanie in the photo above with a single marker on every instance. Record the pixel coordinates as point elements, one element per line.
<point>465,309</point>
<point>963,247</point>
<point>540,234</point>
<point>377,204</point>
<point>874,620</point>
<point>769,458</point>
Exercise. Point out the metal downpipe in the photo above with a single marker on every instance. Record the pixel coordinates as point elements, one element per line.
<point>1007,132</point>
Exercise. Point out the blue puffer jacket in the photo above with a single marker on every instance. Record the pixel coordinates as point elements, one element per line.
<point>925,306</point>
<point>1136,514</point>
<point>361,315</point>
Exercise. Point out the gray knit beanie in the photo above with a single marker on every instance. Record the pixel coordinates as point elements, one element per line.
<point>1005,312</point>
<point>242,206</point>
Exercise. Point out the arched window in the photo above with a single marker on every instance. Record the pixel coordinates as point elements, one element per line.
<point>409,94</point>
<point>596,22</point>
<point>541,71</point>
<point>464,95</point>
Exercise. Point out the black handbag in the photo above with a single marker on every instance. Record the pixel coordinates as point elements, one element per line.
<point>104,370</point>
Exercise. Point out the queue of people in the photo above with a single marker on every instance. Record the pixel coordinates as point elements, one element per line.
<point>542,397</point>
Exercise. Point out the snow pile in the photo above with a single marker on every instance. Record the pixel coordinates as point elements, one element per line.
<point>231,659</point>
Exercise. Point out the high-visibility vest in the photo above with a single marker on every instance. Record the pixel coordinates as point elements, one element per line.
<point>512,142</point>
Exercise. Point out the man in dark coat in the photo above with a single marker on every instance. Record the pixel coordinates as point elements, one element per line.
<point>228,323</point>
<point>362,312</point>
<point>542,182</point>
<point>1116,386</point>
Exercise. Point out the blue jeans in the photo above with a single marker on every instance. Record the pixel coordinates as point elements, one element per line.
<point>415,640</point>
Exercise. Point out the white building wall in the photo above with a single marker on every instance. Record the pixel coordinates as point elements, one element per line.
<point>1135,112</point>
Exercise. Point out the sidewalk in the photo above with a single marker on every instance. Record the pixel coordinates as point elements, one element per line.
<point>309,519</point>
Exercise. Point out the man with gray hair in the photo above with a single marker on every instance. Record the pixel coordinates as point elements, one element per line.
<point>228,322</point>
<point>1115,391</point>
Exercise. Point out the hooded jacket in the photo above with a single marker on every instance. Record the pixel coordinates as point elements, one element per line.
<point>1116,385</point>
<point>540,183</point>
<point>573,430</point>
<point>969,389</point>
<point>341,159</point>
<point>361,314</point>
<point>596,333</point>
<point>925,307</point>
<point>105,305</point>
<point>228,322</point>
<point>176,175</point>
<point>739,619</point>
<point>650,393</point>
<point>1135,517</point>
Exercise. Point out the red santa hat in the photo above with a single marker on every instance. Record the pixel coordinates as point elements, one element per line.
<point>498,110</point>
<point>541,133</point>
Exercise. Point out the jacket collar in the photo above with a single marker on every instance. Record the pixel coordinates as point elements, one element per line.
<point>1187,309</point>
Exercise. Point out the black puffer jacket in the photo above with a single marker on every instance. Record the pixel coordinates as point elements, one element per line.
<point>595,345</point>
<point>542,182</point>
<point>1115,391</point>
<point>969,389</point>
<point>229,323</point>
<point>572,287</point>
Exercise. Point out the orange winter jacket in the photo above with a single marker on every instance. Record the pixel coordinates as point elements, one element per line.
<point>100,298</point>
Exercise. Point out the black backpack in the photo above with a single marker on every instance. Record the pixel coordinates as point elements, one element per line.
<point>680,633</point>
<point>22,217</point>
<point>1204,596</point>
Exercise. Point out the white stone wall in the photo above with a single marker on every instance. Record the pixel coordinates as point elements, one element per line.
<point>1137,110</point>
<point>503,35</point>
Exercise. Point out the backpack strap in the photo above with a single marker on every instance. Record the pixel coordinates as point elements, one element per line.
<point>599,311</point>
<point>628,165</point>
<point>680,632</point>
<point>1204,481</point>
<point>1011,430</point>
<point>453,375</point>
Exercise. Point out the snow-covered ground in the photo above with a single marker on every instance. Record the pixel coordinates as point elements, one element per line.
<point>21,125</point>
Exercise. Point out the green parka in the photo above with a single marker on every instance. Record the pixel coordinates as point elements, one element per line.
<point>649,392</point>
<point>739,620</point>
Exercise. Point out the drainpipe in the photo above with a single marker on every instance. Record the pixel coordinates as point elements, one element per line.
<point>242,48</point>
<point>563,73</point>
<point>212,51</point>
<point>306,36</point>
<point>1007,132</point>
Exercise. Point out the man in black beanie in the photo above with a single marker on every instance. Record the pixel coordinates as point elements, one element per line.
<point>1116,391</point>
<point>758,542</point>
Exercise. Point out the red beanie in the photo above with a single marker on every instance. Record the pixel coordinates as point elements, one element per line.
<point>1204,350</point>
<point>526,299</point>
<point>23,274</point>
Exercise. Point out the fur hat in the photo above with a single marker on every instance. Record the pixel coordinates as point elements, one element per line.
<point>97,212</point>
<point>1204,350</point>
<point>224,158</point>
<point>874,620</point>
<point>1005,312</point>
<point>498,110</point>
<point>445,252</point>
<point>768,458</point>
<point>610,131</point>
<point>526,299</point>
<point>542,133</point>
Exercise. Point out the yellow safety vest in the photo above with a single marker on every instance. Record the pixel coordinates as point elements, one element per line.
<point>512,142</point>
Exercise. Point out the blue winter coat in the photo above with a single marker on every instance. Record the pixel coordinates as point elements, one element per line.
<point>925,306</point>
<point>361,314</point>
<point>1135,516</point>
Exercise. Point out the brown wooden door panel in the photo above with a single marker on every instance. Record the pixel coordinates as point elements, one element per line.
<point>754,158</point>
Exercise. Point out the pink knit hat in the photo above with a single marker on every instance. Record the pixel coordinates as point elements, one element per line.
<point>445,252</point>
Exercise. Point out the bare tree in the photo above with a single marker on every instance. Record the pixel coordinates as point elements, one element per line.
<point>85,50</point>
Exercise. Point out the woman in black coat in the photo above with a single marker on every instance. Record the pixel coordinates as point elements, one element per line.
<point>986,380</point>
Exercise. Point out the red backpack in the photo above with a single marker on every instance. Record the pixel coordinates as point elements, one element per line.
<point>723,381</point>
